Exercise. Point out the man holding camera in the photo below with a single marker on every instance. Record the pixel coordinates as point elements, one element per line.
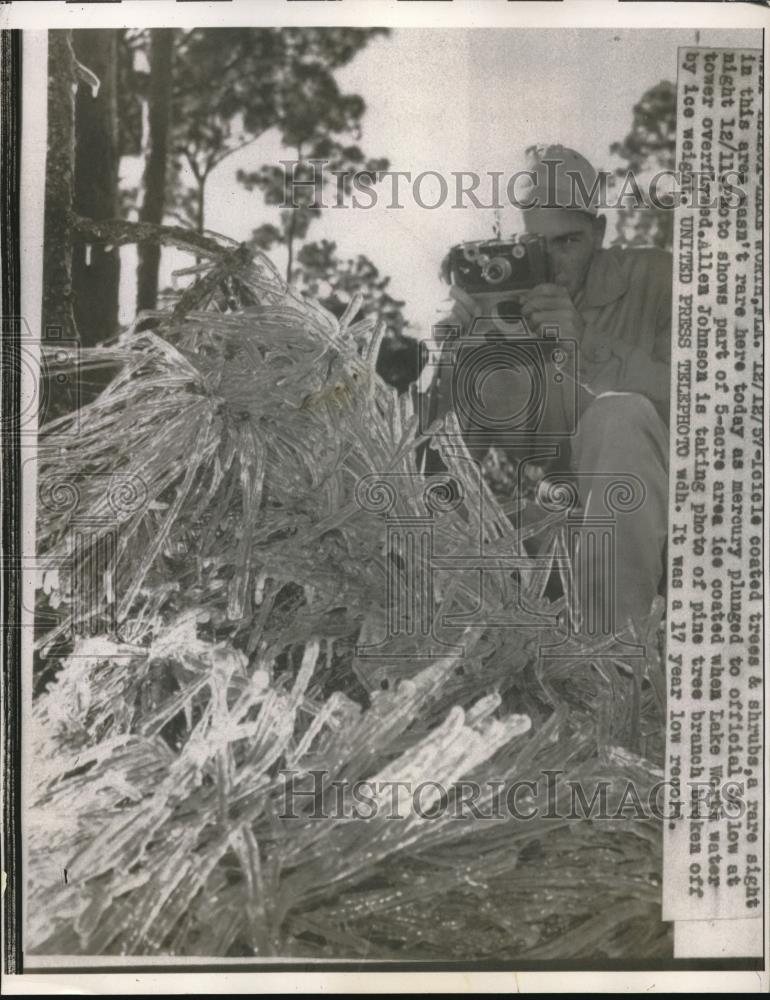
<point>615,305</point>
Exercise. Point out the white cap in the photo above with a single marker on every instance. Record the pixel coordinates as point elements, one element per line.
<point>563,178</point>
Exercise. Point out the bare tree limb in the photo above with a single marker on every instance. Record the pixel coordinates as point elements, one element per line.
<point>120,231</point>
<point>236,149</point>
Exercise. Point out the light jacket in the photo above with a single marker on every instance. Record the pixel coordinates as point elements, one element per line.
<point>626,303</point>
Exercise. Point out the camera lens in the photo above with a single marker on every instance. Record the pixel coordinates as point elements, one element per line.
<point>497,270</point>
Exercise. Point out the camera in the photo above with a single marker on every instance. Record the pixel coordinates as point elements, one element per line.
<point>508,388</point>
<point>498,272</point>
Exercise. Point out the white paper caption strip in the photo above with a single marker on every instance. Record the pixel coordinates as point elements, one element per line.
<point>713,829</point>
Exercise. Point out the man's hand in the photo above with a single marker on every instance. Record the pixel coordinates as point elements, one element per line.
<point>551,305</point>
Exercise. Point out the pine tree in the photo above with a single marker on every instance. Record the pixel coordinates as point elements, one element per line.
<point>248,459</point>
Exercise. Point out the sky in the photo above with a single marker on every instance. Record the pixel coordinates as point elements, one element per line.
<point>461,99</point>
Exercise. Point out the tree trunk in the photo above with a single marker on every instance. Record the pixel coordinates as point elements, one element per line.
<point>161,57</point>
<point>59,173</point>
<point>96,269</point>
<point>57,397</point>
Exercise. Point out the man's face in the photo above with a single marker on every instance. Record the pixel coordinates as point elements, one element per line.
<point>571,237</point>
